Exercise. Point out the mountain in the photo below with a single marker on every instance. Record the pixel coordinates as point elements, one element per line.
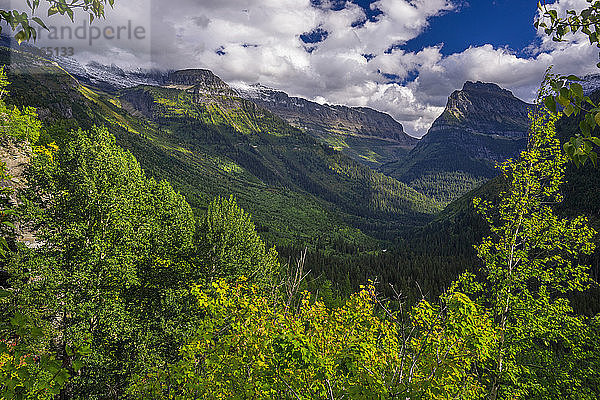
<point>481,125</point>
<point>190,128</point>
<point>366,135</point>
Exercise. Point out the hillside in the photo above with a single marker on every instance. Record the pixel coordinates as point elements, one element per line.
<point>481,125</point>
<point>190,129</point>
<point>458,225</point>
<point>366,135</point>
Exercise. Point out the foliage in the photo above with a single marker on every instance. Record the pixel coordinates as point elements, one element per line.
<point>247,346</point>
<point>108,241</point>
<point>230,245</point>
<point>5,214</point>
<point>446,186</point>
<point>586,21</point>
<point>531,260</point>
<point>22,21</point>
<point>25,373</point>
<point>568,94</point>
<point>26,369</point>
<point>572,101</point>
<point>15,123</point>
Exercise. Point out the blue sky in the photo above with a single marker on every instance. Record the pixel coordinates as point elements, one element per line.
<point>478,22</point>
<point>472,23</point>
<point>403,57</point>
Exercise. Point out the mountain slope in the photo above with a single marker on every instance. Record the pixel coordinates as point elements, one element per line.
<point>481,125</point>
<point>368,136</point>
<point>190,129</point>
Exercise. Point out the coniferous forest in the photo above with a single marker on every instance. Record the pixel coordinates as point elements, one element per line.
<point>173,238</point>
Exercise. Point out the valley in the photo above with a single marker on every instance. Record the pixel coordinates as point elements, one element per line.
<point>214,205</point>
<point>301,169</point>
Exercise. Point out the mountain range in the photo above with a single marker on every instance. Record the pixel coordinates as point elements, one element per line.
<point>357,164</point>
<point>190,128</point>
<point>347,183</point>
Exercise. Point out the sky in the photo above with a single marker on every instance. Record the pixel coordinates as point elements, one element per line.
<point>403,57</point>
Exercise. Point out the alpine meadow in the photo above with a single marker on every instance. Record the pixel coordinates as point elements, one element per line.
<point>299,199</point>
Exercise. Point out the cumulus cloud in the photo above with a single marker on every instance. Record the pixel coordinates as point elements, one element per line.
<point>355,60</point>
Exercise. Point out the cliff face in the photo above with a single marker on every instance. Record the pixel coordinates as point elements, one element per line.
<point>482,125</point>
<point>194,77</point>
<point>486,109</point>
<point>138,102</point>
<point>324,119</point>
<point>481,121</point>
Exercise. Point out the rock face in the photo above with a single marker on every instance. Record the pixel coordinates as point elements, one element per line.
<point>328,119</point>
<point>138,102</point>
<point>485,109</point>
<point>16,158</point>
<point>200,78</point>
<point>481,121</point>
<point>482,125</point>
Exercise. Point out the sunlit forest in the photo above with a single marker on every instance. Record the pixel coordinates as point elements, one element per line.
<point>173,238</point>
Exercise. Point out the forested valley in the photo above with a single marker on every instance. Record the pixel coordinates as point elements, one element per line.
<point>173,238</point>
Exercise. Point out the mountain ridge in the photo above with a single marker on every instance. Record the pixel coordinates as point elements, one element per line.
<point>208,144</point>
<point>364,134</point>
<point>481,125</point>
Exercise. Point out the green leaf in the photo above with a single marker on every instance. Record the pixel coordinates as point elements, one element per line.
<point>550,104</point>
<point>40,23</point>
<point>589,119</point>
<point>589,101</point>
<point>584,128</point>
<point>563,101</point>
<point>577,90</point>
<point>9,224</point>
<point>569,110</point>
<point>77,365</point>
<point>593,157</point>
<point>85,350</point>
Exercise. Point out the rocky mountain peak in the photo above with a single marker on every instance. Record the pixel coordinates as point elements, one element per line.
<point>485,108</point>
<point>484,87</point>
<point>199,81</point>
<point>193,77</point>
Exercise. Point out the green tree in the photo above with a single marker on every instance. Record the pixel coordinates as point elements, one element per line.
<point>531,260</point>
<point>105,267</point>
<point>230,247</point>
<point>22,21</point>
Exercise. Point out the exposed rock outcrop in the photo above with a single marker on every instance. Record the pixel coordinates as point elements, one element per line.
<point>481,125</point>
<point>16,156</point>
<point>199,80</point>
<point>485,109</point>
<point>328,119</point>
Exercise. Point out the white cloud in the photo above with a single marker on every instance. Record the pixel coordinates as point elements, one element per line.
<point>259,41</point>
